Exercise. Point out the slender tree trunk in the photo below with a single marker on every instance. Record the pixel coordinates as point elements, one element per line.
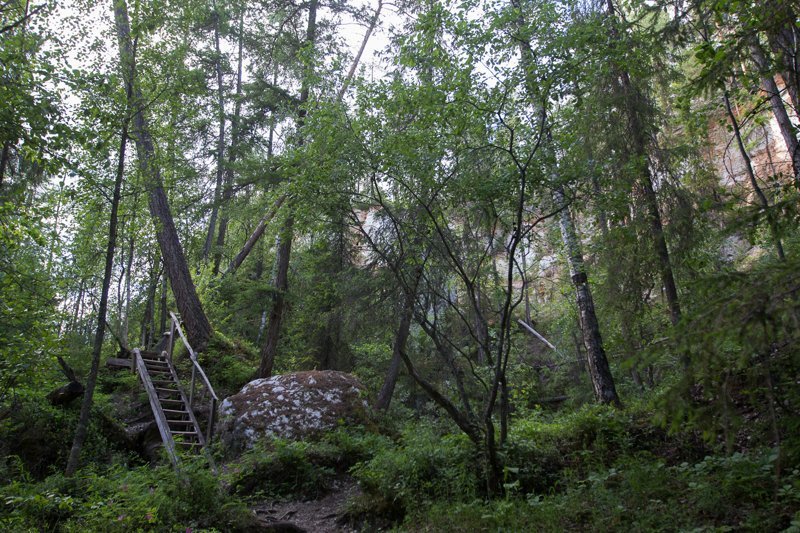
<point>4,159</point>
<point>255,236</point>
<point>227,192</point>
<point>602,380</point>
<point>197,326</point>
<point>752,176</point>
<point>282,258</point>
<point>162,323</point>
<point>400,339</point>
<point>633,101</point>
<point>212,222</point>
<point>73,326</point>
<point>276,314</point>
<point>481,331</point>
<point>770,88</point>
<point>351,73</point>
<point>86,406</point>
<point>124,327</point>
<point>147,333</point>
<point>599,371</point>
<point>785,43</point>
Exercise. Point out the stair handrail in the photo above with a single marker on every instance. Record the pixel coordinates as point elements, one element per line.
<point>196,370</point>
<point>158,413</point>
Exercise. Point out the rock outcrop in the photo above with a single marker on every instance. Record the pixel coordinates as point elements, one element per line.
<point>290,406</point>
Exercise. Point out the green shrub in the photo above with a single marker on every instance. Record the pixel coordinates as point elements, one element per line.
<point>123,500</point>
<point>425,466</point>
<point>40,435</point>
<point>639,493</point>
<point>282,470</point>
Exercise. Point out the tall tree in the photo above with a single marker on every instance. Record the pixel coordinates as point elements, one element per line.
<point>197,325</point>
<point>635,107</point>
<point>82,427</point>
<point>284,247</point>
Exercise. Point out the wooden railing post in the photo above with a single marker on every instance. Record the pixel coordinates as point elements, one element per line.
<point>171,341</point>
<point>191,390</point>
<point>211,417</point>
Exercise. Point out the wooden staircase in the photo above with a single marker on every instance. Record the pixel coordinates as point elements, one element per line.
<point>172,405</point>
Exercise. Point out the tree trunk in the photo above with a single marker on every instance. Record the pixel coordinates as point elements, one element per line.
<point>351,73</point>
<point>197,326</point>
<point>785,43</point>
<point>770,88</point>
<point>212,222</point>
<point>227,192</point>
<point>633,100</point>
<point>270,347</point>
<point>163,312</point>
<point>4,159</point>
<point>752,176</point>
<point>281,285</point>
<point>600,373</point>
<point>602,380</point>
<point>86,406</point>
<point>401,337</point>
<point>255,236</point>
<point>147,332</point>
<point>125,325</point>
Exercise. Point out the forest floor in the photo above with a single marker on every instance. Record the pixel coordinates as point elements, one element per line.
<point>323,515</point>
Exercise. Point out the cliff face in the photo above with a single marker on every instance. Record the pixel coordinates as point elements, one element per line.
<point>763,140</point>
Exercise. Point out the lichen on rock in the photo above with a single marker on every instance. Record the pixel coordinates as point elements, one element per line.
<point>290,406</point>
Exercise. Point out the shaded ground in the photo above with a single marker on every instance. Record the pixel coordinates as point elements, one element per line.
<point>325,515</point>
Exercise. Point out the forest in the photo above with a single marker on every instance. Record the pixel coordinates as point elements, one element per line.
<point>400,265</point>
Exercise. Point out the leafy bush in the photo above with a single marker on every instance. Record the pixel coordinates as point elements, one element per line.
<point>542,450</point>
<point>639,494</point>
<point>40,435</point>
<point>425,466</point>
<point>282,470</point>
<point>123,500</point>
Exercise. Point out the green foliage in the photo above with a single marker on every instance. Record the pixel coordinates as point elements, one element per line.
<point>38,436</point>
<point>544,450</point>
<point>27,325</point>
<point>639,493</point>
<point>229,364</point>
<point>121,499</point>
<point>302,469</point>
<point>284,469</point>
<point>740,336</point>
<point>424,466</point>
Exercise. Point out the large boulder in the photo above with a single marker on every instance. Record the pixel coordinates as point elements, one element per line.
<point>290,406</point>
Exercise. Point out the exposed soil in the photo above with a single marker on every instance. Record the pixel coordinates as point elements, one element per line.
<point>324,515</point>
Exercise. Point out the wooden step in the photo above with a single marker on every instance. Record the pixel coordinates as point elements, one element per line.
<point>170,400</point>
<point>164,381</point>
<point>193,433</point>
<point>175,411</point>
<point>159,389</point>
<point>152,371</point>
<point>180,422</point>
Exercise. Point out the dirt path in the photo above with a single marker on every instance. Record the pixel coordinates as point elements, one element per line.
<point>314,516</point>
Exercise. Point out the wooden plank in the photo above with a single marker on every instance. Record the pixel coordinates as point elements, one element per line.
<point>116,362</point>
<point>158,412</point>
